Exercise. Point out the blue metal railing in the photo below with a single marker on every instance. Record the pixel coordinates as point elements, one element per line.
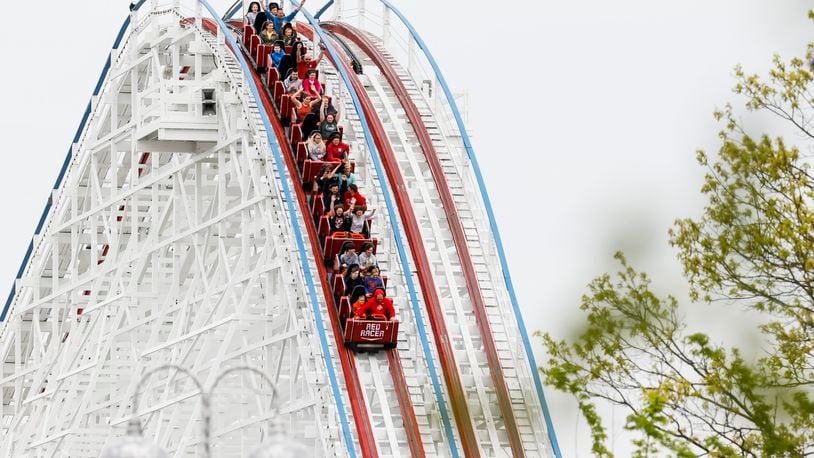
<point>394,225</point>
<point>233,10</point>
<point>492,222</point>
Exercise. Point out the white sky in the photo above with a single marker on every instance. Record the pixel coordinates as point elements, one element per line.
<point>586,115</point>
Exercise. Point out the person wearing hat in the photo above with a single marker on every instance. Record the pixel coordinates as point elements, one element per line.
<point>378,307</point>
<point>337,151</point>
<point>276,53</point>
<point>268,35</point>
<point>307,62</point>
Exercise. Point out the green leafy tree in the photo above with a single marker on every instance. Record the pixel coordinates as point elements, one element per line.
<point>753,248</point>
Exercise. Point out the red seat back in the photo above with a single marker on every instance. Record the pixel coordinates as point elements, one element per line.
<point>344,309</point>
<point>248,33</point>
<point>253,44</point>
<point>323,227</point>
<point>262,55</point>
<point>333,245</point>
<point>302,154</point>
<point>272,76</point>
<point>339,285</point>
<point>278,94</point>
<point>296,135</point>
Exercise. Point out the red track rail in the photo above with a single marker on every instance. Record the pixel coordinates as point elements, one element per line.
<point>367,441</point>
<point>406,404</point>
<point>442,340</point>
<point>459,237</point>
<point>366,438</point>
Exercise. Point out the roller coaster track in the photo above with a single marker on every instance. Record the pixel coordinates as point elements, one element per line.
<point>351,362</point>
<point>446,271</point>
<point>459,237</point>
<point>420,257</point>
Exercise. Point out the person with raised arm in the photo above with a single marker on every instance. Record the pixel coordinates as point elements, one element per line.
<point>332,198</point>
<point>351,198</point>
<point>307,62</point>
<point>327,177</point>
<point>304,107</point>
<point>338,220</point>
<point>327,124</point>
<point>358,222</point>
<point>273,14</point>
<point>261,18</point>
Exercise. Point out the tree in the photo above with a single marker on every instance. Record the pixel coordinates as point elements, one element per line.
<point>753,247</point>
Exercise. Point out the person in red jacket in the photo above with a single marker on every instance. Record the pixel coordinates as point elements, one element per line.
<point>351,198</point>
<point>336,150</point>
<point>378,307</point>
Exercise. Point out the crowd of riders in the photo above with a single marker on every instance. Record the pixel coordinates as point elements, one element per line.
<point>344,204</point>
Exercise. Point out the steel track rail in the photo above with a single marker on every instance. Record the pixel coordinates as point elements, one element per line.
<point>399,381</point>
<point>552,435</point>
<point>459,238</point>
<point>216,24</point>
<point>442,339</point>
<point>334,57</point>
<point>355,394</point>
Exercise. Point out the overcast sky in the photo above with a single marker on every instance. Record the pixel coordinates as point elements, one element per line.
<point>586,115</point>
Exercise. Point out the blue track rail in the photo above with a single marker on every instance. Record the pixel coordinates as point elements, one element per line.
<point>552,436</point>
<point>394,224</point>
<point>292,211</point>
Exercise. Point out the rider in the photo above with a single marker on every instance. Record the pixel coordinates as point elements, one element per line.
<point>378,307</point>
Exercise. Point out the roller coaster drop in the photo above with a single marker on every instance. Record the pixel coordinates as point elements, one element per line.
<point>183,229</point>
